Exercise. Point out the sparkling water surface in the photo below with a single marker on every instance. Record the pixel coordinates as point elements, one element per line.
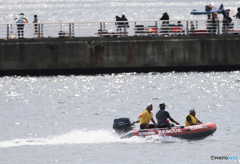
<point>106,10</point>
<point>68,119</point>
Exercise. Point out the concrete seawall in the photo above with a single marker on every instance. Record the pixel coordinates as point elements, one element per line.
<point>63,56</point>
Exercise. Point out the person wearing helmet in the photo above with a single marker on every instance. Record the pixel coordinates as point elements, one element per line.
<point>145,118</point>
<point>191,119</point>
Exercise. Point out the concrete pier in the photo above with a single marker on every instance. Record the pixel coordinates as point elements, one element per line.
<point>64,56</point>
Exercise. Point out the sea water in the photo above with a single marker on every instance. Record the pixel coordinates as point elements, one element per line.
<point>68,119</point>
<point>106,10</point>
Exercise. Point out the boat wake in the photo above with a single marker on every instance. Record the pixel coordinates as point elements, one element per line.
<point>83,137</point>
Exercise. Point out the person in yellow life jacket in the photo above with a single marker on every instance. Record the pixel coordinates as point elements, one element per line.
<point>191,119</point>
<point>145,118</point>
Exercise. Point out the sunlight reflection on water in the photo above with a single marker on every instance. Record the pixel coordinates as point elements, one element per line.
<point>96,10</point>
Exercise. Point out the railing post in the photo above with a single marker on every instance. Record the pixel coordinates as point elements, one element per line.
<point>135,28</point>
<point>187,28</point>
<point>196,24</point>
<point>156,28</point>
<point>39,32</point>
<point>70,31</point>
<point>41,35</point>
<point>125,29</point>
<point>218,28</point>
<point>103,25</point>
<point>228,28</point>
<point>101,30</point>
<point>8,31</point>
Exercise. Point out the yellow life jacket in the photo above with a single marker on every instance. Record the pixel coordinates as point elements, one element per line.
<point>194,120</point>
<point>145,117</point>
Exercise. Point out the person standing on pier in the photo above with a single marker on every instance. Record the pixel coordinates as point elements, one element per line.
<point>226,21</point>
<point>118,24</point>
<point>165,17</point>
<point>35,20</point>
<point>238,14</point>
<point>125,24</point>
<point>209,23</point>
<point>215,22</point>
<point>20,26</point>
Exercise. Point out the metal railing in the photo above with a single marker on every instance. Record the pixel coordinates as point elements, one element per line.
<point>118,29</point>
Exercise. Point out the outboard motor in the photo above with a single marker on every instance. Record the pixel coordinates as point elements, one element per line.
<point>122,125</point>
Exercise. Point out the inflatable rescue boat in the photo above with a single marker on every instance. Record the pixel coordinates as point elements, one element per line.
<point>125,129</point>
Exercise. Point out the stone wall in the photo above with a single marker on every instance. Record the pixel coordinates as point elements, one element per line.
<point>123,54</point>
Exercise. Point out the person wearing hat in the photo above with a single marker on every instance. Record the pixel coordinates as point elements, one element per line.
<point>20,27</point>
<point>162,117</point>
<point>191,119</point>
<point>145,118</point>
